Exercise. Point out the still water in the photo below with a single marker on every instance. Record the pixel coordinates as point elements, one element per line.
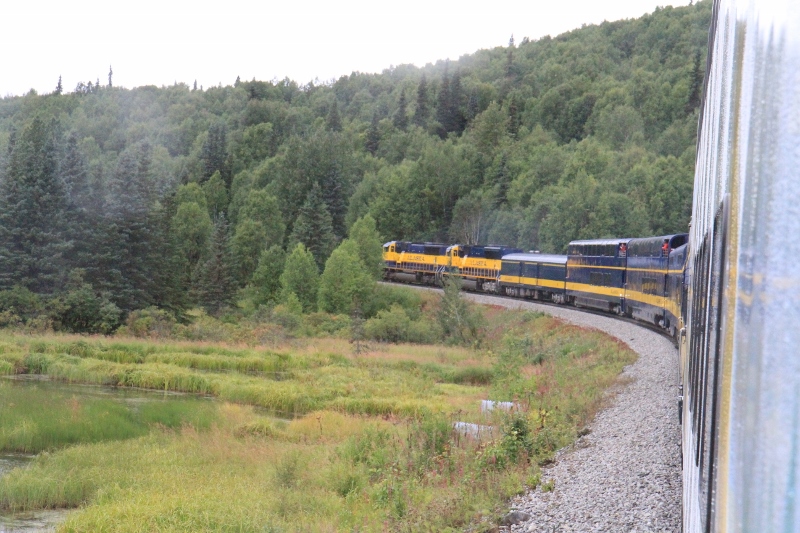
<point>28,522</point>
<point>48,520</point>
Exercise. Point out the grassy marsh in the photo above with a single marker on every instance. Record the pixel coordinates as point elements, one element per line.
<point>367,445</point>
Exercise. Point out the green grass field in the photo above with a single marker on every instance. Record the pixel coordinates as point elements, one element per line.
<point>306,436</point>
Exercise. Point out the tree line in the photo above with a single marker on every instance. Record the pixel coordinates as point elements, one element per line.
<point>114,199</point>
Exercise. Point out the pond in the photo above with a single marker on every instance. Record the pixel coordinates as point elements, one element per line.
<point>37,521</point>
<point>132,399</point>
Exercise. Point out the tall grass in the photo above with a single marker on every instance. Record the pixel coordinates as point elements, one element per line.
<point>36,417</point>
<point>369,447</point>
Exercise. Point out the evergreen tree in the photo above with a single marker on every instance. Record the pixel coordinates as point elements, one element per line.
<point>334,122</point>
<point>513,118</point>
<point>110,73</point>
<point>473,105</point>
<point>422,111</point>
<point>314,227</point>
<point>167,287</point>
<point>130,237</point>
<point>510,57</point>
<point>457,119</point>
<point>502,180</point>
<point>59,87</point>
<point>32,213</point>
<point>695,84</point>
<point>300,277</point>
<point>214,154</point>
<point>333,195</point>
<point>400,119</point>
<point>373,136</point>
<point>84,207</point>
<point>214,284</point>
<point>443,103</point>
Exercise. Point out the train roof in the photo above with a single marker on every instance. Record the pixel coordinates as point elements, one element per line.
<point>600,241</point>
<point>537,258</point>
<point>652,246</point>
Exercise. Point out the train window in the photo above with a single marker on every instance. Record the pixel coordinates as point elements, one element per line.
<point>508,268</point>
<point>650,286</point>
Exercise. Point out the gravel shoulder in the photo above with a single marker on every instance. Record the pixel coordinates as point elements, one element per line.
<point>625,475</point>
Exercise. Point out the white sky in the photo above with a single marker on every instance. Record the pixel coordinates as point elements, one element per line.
<point>151,42</point>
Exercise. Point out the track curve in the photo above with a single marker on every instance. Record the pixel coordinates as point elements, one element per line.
<point>625,475</point>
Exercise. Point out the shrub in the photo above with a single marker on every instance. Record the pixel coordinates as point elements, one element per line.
<point>392,325</point>
<point>325,324</point>
<point>384,296</point>
<point>151,323</point>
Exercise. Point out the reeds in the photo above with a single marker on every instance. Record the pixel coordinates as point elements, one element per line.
<point>367,442</point>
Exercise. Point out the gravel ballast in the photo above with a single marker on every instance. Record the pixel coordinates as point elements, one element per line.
<point>625,474</point>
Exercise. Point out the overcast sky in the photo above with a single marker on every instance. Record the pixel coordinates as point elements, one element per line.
<point>149,42</point>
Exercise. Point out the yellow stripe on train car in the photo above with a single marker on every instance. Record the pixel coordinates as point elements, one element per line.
<point>541,282</point>
<point>616,292</point>
<point>641,297</point>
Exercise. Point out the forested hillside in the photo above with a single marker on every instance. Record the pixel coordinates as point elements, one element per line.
<point>115,199</point>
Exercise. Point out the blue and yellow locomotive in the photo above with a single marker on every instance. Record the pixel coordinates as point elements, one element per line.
<point>641,278</point>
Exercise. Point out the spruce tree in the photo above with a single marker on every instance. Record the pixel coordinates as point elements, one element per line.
<point>167,286</point>
<point>214,154</point>
<point>443,102</point>
<point>333,194</point>
<point>214,284</point>
<point>130,235</point>
<point>502,180</point>
<point>695,84</point>
<point>32,213</point>
<point>422,111</point>
<point>314,227</point>
<point>400,119</point>
<point>513,118</point>
<point>457,120</point>
<point>82,213</point>
<point>334,120</point>
<point>373,136</point>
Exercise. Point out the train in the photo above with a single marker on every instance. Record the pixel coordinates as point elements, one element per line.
<point>640,278</point>
<point>740,349</point>
<point>728,291</point>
